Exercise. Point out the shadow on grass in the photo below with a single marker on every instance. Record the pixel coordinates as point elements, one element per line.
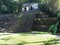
<point>50,42</point>
<point>6,38</point>
<point>4,34</point>
<point>32,32</point>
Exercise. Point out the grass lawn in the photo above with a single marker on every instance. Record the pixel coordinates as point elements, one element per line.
<point>25,39</point>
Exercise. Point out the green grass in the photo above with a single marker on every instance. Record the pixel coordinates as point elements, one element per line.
<point>25,39</point>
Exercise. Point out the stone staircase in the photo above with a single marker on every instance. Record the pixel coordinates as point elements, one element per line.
<point>42,22</point>
<point>27,24</point>
<point>21,25</point>
<point>36,21</point>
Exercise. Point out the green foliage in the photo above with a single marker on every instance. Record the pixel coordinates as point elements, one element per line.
<point>12,6</point>
<point>58,15</point>
<point>54,28</point>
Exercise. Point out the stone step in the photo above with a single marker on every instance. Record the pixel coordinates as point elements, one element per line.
<point>42,22</point>
<point>48,18</point>
<point>40,13</point>
<point>45,21</point>
<point>42,16</point>
<point>41,27</point>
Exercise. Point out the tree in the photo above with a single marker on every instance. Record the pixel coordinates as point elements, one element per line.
<point>10,6</point>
